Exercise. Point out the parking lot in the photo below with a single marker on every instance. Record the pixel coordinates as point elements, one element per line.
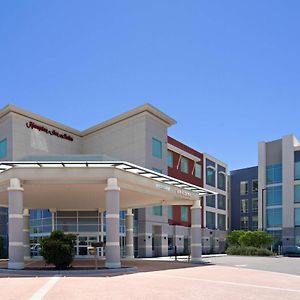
<point>158,279</point>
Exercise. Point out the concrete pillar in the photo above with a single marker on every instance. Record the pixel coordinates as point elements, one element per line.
<point>15,225</point>
<point>26,234</point>
<point>129,252</point>
<point>112,201</point>
<point>196,247</point>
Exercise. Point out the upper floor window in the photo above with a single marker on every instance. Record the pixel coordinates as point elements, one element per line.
<point>274,195</point>
<point>221,202</point>
<point>297,216</point>
<point>274,174</point>
<point>254,205</point>
<point>244,205</point>
<point>157,210</point>
<point>210,173</point>
<point>170,159</point>
<point>3,148</point>
<point>254,222</point>
<point>221,181</point>
<point>297,165</point>
<point>210,220</point>
<point>297,194</point>
<point>221,222</point>
<point>211,200</point>
<point>198,170</point>
<point>184,165</point>
<point>156,148</point>
<point>184,213</point>
<point>244,188</point>
<point>254,186</point>
<point>244,223</point>
<point>157,170</point>
<point>274,217</point>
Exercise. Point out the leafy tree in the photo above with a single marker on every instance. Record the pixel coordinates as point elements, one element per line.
<point>58,249</point>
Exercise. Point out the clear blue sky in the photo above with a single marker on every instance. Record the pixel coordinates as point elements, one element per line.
<point>227,71</point>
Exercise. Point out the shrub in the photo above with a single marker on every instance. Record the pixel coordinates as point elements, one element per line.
<point>234,236</point>
<point>257,239</point>
<point>248,251</point>
<point>58,249</point>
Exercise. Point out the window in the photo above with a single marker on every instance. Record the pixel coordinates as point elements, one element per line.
<point>221,181</point>
<point>274,217</point>
<point>157,170</point>
<point>210,220</point>
<point>221,202</point>
<point>184,165</point>
<point>3,148</point>
<point>297,164</point>
<point>244,188</point>
<point>254,222</point>
<point>210,173</point>
<point>198,171</point>
<point>297,194</point>
<point>157,210</point>
<point>184,213</point>
<point>297,170</point>
<point>244,205</point>
<point>254,186</point>
<point>211,200</point>
<point>221,222</point>
<point>170,159</point>
<point>170,212</point>
<point>244,223</point>
<point>274,195</point>
<point>297,216</point>
<point>274,174</point>
<point>156,148</point>
<point>254,205</point>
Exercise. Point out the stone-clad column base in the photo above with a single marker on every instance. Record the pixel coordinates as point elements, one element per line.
<point>112,201</point>
<point>196,246</point>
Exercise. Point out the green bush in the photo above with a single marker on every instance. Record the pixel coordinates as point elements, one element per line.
<point>257,239</point>
<point>248,251</point>
<point>234,236</point>
<point>58,249</point>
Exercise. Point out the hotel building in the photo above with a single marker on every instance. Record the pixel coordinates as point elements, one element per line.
<point>56,166</point>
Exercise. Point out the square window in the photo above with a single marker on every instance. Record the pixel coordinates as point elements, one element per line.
<point>221,202</point>
<point>254,186</point>
<point>156,148</point>
<point>244,188</point>
<point>157,210</point>
<point>297,194</point>
<point>221,222</point>
<point>254,205</point>
<point>3,148</point>
<point>210,220</point>
<point>244,206</point>
<point>211,200</point>
<point>184,213</point>
<point>170,212</point>
<point>184,165</point>
<point>170,159</point>
<point>244,223</point>
<point>198,170</point>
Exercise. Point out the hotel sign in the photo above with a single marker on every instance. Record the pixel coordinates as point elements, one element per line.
<point>32,125</point>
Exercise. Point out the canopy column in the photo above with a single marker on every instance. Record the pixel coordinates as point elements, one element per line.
<point>129,235</point>
<point>196,247</point>
<point>15,225</point>
<point>112,202</point>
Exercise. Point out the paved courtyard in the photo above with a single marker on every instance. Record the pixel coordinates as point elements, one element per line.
<point>157,280</point>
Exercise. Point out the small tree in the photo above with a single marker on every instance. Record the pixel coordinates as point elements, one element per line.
<point>58,249</point>
<point>258,239</point>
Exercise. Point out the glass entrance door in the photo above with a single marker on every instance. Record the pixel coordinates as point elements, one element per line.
<point>83,243</point>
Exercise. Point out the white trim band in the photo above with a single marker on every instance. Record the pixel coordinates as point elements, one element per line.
<point>129,245</point>
<point>112,216</point>
<point>196,245</point>
<point>112,244</point>
<point>15,216</point>
<point>17,244</point>
<point>129,229</point>
<point>196,226</point>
